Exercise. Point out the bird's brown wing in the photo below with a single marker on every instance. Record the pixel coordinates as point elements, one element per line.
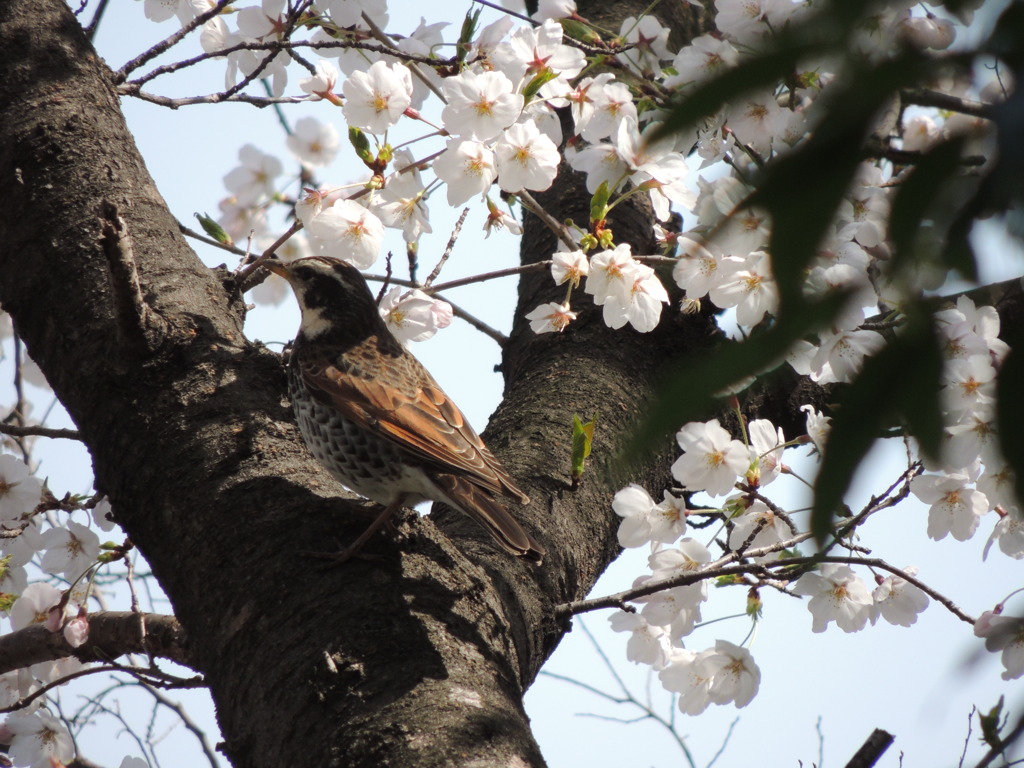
<point>412,411</point>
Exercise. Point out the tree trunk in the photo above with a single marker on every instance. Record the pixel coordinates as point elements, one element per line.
<point>419,659</point>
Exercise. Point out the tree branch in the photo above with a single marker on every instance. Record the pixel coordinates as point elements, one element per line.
<point>111,634</point>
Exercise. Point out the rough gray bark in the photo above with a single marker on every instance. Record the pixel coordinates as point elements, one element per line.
<point>417,660</point>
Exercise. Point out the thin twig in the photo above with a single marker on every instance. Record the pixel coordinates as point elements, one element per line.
<point>550,221</point>
<point>169,42</point>
<point>16,431</point>
<point>797,564</point>
<point>448,250</point>
<point>536,266</point>
<point>188,722</point>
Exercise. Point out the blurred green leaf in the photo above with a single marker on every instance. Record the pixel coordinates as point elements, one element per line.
<point>824,31</point>
<point>1010,410</point>
<point>690,394</point>
<point>802,190</point>
<point>899,384</point>
<point>915,197</point>
<point>991,724</point>
<point>927,195</point>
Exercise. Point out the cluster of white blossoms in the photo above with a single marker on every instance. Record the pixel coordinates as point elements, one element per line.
<point>970,481</point>
<point>758,531</point>
<point>66,547</point>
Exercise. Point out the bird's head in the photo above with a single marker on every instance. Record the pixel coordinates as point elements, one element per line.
<point>333,296</point>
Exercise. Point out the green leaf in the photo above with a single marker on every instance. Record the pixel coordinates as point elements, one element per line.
<point>599,203</point>
<point>579,31</point>
<point>466,35</point>
<point>361,145</point>
<point>535,84</point>
<point>900,383</point>
<point>991,724</point>
<point>213,229</point>
<point>582,441</point>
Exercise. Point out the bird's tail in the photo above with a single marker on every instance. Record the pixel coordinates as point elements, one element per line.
<point>491,514</point>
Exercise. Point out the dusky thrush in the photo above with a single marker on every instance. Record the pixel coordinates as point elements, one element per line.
<point>376,419</point>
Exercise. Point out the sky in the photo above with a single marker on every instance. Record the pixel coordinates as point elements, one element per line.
<point>821,694</point>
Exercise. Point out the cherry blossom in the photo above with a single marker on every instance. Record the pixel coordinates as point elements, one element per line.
<point>818,426</point>
<point>696,270</point>
<point>533,51</point>
<point>692,682</point>
<point>314,142</point>
<point>323,83</point>
<point>687,556</point>
<point>19,490</point>
<point>643,310</point>
<point>526,159</point>
<point>34,605</point>
<point>677,609</point>
<point>650,41</point>
<point>837,594</point>
<point>898,601</point>
<point>1003,634</point>
<point>602,165</point>
<point>39,739</point>
<point>609,104</point>
<point>569,266</point>
<point>734,675</point>
<point>955,508</point>
<point>1009,532</point>
<point>480,106</point>
<point>771,529</point>
<point>377,98</point>
<point>467,167</point>
<point>704,58</point>
<point>970,386</point>
<point>401,204</point>
<point>349,13</point>
<point>412,315</point>
<point>550,317</point>
<point>254,179</point>
<point>347,231</point>
<point>647,644</point>
<point>746,284</point>
<point>712,461</point>
<point>554,9</point>
<point>611,275</point>
<point>645,521</point>
<point>71,550</point>
<point>841,354</point>
<point>766,446</point>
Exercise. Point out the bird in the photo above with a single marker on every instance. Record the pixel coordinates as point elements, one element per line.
<point>376,419</point>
